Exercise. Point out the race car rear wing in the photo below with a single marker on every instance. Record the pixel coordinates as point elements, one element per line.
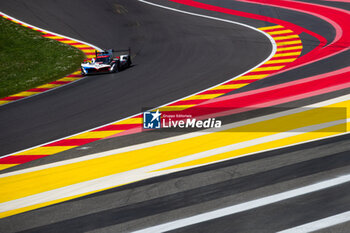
<point>112,51</point>
<point>122,50</point>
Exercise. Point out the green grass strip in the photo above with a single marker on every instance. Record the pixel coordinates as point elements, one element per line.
<point>28,60</point>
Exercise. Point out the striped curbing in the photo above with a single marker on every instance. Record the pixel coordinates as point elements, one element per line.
<point>289,47</point>
<point>280,60</point>
<point>88,50</point>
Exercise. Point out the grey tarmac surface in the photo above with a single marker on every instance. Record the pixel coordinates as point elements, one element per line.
<point>174,55</point>
<point>128,140</point>
<point>187,193</point>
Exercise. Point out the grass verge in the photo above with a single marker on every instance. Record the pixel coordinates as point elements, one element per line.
<point>28,60</point>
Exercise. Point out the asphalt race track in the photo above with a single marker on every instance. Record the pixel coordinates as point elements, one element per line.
<point>175,55</point>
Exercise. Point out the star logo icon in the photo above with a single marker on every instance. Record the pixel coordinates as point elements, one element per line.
<point>155,115</point>
<point>151,120</point>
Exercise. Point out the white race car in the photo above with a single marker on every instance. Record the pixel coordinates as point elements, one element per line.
<point>105,62</point>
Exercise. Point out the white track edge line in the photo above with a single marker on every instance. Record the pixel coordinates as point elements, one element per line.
<point>274,49</point>
<point>56,34</point>
<point>199,218</point>
<point>180,137</point>
<point>320,224</point>
<point>257,152</point>
<point>53,33</point>
<point>145,172</point>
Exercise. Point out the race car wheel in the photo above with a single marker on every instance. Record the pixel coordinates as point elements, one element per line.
<point>114,68</point>
<point>82,71</point>
<point>129,62</point>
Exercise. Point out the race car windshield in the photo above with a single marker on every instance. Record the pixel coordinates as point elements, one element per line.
<point>102,59</point>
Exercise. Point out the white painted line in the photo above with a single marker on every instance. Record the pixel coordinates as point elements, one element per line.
<point>273,51</point>
<point>145,172</point>
<point>183,137</point>
<point>320,224</point>
<point>56,34</point>
<point>246,206</point>
<point>53,33</point>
